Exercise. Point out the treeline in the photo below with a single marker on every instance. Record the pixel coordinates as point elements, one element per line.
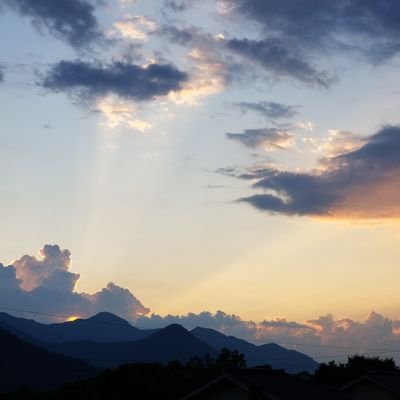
<point>337,375</point>
<point>142,381</point>
<point>175,379</point>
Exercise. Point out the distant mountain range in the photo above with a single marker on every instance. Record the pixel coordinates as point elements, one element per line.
<point>277,356</point>
<point>107,341</point>
<point>171,343</point>
<point>103,328</point>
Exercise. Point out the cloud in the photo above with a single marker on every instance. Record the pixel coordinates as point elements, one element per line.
<point>45,284</point>
<point>208,77</point>
<point>278,58</point>
<point>306,126</point>
<point>365,25</point>
<point>324,338</point>
<point>1,76</point>
<point>363,183</point>
<point>209,73</point>
<point>118,300</point>
<point>213,67</point>
<point>376,331</point>
<point>34,272</point>
<point>339,142</point>
<point>124,79</point>
<point>72,21</point>
<point>183,37</point>
<point>226,323</point>
<point>125,3</point>
<point>178,5</point>
<point>121,113</point>
<point>135,28</point>
<point>268,109</point>
<point>269,139</point>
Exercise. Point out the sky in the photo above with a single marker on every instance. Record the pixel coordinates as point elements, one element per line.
<point>226,162</point>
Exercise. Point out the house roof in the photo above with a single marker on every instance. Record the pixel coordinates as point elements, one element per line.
<point>273,384</point>
<point>389,380</point>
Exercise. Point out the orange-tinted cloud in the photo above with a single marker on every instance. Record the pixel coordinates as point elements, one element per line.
<point>359,184</point>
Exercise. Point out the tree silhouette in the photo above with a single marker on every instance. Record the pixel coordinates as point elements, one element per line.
<point>339,374</point>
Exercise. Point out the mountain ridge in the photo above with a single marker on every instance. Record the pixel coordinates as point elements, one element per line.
<point>106,340</point>
<point>271,353</point>
<point>114,329</point>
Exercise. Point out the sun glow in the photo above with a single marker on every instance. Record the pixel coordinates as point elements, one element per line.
<point>72,318</point>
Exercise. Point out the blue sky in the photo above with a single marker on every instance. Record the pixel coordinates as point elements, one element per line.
<point>235,155</point>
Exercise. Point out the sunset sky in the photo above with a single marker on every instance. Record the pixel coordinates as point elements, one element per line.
<point>230,155</point>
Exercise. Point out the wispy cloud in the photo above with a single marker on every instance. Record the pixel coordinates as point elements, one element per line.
<point>178,5</point>
<point>136,28</point>
<point>268,139</point>
<point>121,113</point>
<point>268,109</point>
<point>277,57</point>
<point>73,21</point>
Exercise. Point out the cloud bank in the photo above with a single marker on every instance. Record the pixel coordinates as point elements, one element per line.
<point>325,337</point>
<point>363,183</point>
<point>44,284</point>
<point>72,21</point>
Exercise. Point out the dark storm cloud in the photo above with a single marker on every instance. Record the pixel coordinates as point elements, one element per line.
<point>45,284</point>
<point>268,109</point>
<point>368,25</point>
<point>73,20</point>
<point>364,183</point>
<point>279,59</point>
<point>1,75</point>
<point>267,138</point>
<point>120,78</point>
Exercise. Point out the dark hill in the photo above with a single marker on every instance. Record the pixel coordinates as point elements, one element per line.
<point>171,343</point>
<point>22,364</point>
<point>276,356</point>
<point>103,327</point>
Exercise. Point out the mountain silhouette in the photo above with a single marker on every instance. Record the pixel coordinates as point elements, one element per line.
<point>168,344</point>
<point>106,340</point>
<point>103,327</point>
<point>276,356</point>
<point>25,365</point>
